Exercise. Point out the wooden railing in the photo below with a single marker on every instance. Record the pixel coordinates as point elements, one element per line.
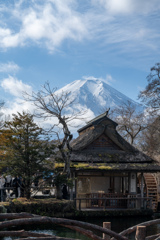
<point>114,202</point>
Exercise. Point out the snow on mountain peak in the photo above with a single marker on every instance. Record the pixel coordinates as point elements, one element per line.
<point>95,96</point>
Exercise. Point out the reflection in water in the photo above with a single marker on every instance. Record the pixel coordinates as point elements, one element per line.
<point>118,224</point>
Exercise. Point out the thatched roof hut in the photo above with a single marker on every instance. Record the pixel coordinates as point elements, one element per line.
<point>99,146</point>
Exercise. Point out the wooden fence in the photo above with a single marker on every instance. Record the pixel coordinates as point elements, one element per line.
<point>114,202</point>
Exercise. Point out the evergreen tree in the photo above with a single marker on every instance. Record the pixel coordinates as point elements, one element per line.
<point>27,149</point>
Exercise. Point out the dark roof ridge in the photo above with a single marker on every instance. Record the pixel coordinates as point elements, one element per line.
<point>97,119</point>
<point>86,138</point>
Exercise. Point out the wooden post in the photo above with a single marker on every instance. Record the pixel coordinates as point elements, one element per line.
<point>80,204</point>
<point>1,194</point>
<point>142,191</point>
<point>140,233</point>
<point>150,203</point>
<point>71,189</point>
<point>106,225</point>
<point>71,193</point>
<point>105,203</point>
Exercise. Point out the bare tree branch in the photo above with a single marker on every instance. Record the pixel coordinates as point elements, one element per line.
<point>151,94</point>
<point>51,103</point>
<point>131,121</point>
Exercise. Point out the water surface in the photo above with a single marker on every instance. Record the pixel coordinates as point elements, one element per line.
<point>118,224</point>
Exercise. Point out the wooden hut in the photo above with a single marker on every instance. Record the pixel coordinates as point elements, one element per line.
<point>109,172</point>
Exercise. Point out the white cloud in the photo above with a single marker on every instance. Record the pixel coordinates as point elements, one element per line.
<point>127,6</point>
<point>124,26</point>
<point>14,86</point>
<point>116,6</point>
<point>89,78</point>
<point>9,67</point>
<point>17,105</point>
<point>107,80</point>
<point>50,22</point>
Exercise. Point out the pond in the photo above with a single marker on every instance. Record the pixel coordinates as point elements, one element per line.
<point>118,224</point>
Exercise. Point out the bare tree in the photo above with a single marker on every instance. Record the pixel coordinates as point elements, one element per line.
<point>151,94</point>
<point>131,121</point>
<point>52,103</point>
<point>150,142</point>
<point>151,97</point>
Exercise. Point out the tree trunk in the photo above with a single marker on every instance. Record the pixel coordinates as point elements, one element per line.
<point>27,191</point>
<point>58,192</point>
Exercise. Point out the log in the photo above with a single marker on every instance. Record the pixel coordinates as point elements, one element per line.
<point>132,229</point>
<point>16,215</point>
<point>47,238</point>
<point>88,226</point>
<point>22,233</point>
<point>157,238</point>
<point>153,237</point>
<point>59,221</point>
<point>27,215</point>
<point>85,232</point>
<point>25,221</point>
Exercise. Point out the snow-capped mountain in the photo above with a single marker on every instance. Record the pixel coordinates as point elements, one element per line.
<point>95,96</point>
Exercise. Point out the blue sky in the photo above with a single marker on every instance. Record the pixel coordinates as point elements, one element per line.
<point>64,40</point>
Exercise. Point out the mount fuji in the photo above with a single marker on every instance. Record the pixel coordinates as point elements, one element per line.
<point>95,96</point>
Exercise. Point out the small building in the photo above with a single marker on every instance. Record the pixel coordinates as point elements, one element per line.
<point>109,172</point>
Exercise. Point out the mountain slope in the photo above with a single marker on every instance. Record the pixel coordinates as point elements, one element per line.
<point>95,96</point>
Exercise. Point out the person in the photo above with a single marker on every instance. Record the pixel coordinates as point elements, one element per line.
<point>2,190</point>
<point>64,191</point>
<point>36,181</point>
<point>8,181</point>
<point>22,187</point>
<point>16,185</point>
